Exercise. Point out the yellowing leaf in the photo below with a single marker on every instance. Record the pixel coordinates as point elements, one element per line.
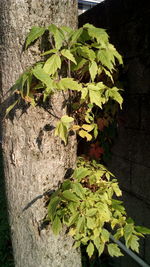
<point>90,249</point>
<point>86,135</point>
<point>114,250</point>
<point>88,127</point>
<point>75,127</point>
<point>84,93</point>
<point>52,64</point>
<point>66,53</point>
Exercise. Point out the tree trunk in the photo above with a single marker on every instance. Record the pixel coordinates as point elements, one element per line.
<point>34,160</point>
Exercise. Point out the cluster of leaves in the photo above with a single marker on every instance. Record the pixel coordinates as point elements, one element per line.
<point>81,62</point>
<point>76,62</point>
<point>85,204</point>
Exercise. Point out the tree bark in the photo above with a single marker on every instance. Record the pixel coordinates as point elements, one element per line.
<point>34,160</point>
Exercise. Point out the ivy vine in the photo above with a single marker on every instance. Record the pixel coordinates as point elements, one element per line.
<point>82,63</point>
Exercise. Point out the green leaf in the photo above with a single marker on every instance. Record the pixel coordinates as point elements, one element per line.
<point>128,230</point>
<point>58,35</point>
<point>86,52</point>
<point>93,68</point>
<point>84,93</point>
<point>66,119</point>
<point>42,76</point>
<point>66,53</point>
<point>70,196</point>
<point>52,206</point>
<point>80,224</point>
<point>114,94</point>
<point>73,219</point>
<point>34,34</point>
<point>105,235</point>
<point>78,189</point>
<point>103,57</point>
<point>80,63</point>
<point>90,223</point>
<point>91,212</point>
<point>51,51</point>
<point>90,249</point>
<point>81,173</point>
<point>143,230</point>
<point>114,250</point>
<point>69,83</point>
<point>76,34</point>
<point>99,34</point>
<point>116,189</point>
<point>133,243</point>
<point>61,131</point>
<point>52,64</point>
<point>115,53</point>
<point>95,98</point>
<point>11,107</point>
<point>56,225</point>
<point>66,185</point>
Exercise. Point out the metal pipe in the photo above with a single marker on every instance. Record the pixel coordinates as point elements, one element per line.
<point>129,252</point>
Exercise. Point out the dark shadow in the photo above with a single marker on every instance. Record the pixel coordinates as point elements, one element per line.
<point>6,252</point>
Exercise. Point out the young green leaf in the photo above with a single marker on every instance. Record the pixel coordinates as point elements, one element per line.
<point>52,206</point>
<point>52,64</point>
<point>56,225</point>
<point>58,35</point>
<point>67,194</point>
<point>142,229</point>
<point>93,68</point>
<point>81,173</point>
<point>114,94</point>
<point>42,76</point>
<point>67,54</point>
<point>34,34</point>
<point>75,36</point>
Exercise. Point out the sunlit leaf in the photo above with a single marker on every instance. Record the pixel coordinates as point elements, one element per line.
<point>114,250</point>
<point>67,54</point>
<point>52,64</point>
<point>34,34</point>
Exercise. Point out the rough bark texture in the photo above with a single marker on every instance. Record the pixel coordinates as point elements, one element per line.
<point>34,160</point>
